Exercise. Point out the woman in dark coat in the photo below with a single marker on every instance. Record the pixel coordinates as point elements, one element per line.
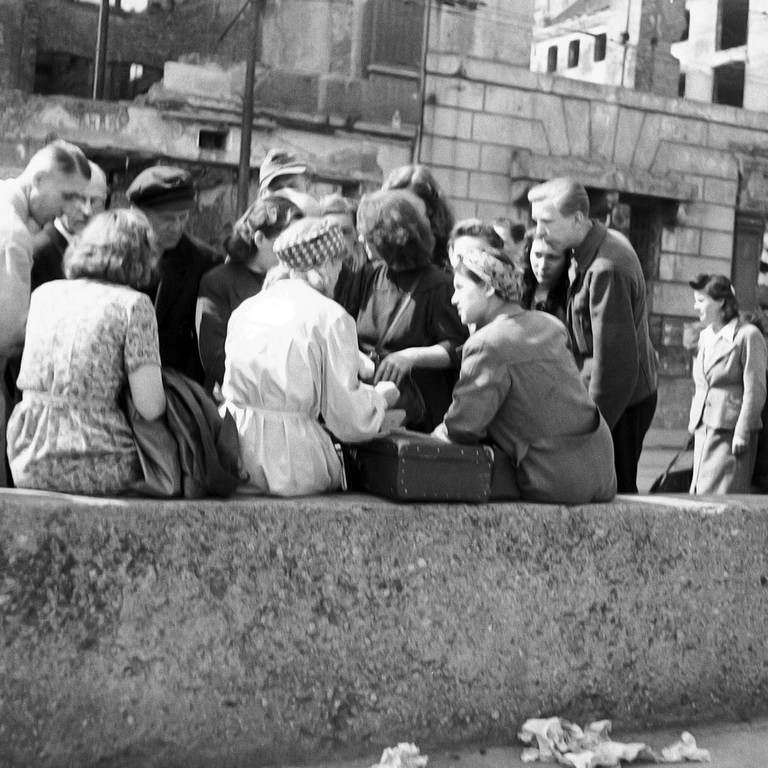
<point>225,287</point>
<point>402,305</point>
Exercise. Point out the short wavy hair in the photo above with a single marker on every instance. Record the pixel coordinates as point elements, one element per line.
<point>117,246</point>
<point>420,180</point>
<point>392,221</point>
<point>269,215</point>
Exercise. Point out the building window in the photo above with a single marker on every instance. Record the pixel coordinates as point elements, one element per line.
<point>212,138</point>
<point>552,59</point>
<point>600,45</point>
<point>396,33</point>
<point>573,53</point>
<point>681,85</point>
<point>728,85</point>
<point>732,22</point>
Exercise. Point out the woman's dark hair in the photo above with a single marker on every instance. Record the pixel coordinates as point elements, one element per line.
<point>476,228</point>
<point>719,288</point>
<point>557,296</point>
<point>393,223</point>
<point>419,180</point>
<point>269,215</point>
<point>117,246</point>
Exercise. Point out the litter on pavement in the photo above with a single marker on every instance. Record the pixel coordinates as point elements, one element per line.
<point>558,740</point>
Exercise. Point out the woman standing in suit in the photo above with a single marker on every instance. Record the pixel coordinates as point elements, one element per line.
<point>729,375</point>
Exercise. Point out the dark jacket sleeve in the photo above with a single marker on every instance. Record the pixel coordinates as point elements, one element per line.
<point>211,317</point>
<point>446,326</point>
<point>615,364</point>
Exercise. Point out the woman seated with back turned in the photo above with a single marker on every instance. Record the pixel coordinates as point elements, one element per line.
<point>292,371</point>
<point>402,303</point>
<point>519,390</point>
<point>87,338</point>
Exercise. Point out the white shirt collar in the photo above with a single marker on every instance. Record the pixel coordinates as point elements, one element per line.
<point>62,230</point>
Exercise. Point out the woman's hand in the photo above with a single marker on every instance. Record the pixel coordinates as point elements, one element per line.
<point>389,391</point>
<point>738,446</point>
<point>394,367</point>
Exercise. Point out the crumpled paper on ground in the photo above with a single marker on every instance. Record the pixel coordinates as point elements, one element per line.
<point>404,755</point>
<point>558,740</point>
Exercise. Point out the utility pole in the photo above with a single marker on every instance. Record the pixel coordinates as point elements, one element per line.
<point>422,81</point>
<point>246,123</point>
<point>100,63</point>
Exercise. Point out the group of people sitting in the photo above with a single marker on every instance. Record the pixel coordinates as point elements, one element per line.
<point>333,321</point>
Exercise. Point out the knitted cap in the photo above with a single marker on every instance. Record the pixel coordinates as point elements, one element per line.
<point>308,243</point>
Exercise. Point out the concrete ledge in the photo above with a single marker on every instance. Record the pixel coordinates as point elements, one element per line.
<point>249,632</point>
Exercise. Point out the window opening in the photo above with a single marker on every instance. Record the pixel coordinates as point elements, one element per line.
<point>573,53</point>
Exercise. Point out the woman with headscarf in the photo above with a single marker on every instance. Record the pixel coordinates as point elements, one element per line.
<point>291,372</point>
<point>520,391</point>
<point>729,373</point>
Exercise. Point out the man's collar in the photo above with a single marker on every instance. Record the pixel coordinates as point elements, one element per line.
<point>62,230</point>
<point>586,250</point>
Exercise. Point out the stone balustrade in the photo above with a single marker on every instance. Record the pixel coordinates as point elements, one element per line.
<point>257,631</point>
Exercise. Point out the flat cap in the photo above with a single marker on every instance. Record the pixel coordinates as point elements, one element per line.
<point>162,187</point>
<point>279,162</point>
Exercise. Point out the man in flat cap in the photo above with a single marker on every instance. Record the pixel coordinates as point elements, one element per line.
<point>282,169</point>
<point>167,195</point>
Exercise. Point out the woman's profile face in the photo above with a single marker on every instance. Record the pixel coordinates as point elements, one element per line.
<point>708,309</point>
<point>470,299</point>
<point>547,263</point>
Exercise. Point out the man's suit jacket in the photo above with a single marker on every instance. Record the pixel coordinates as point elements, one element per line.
<point>48,255</point>
<point>175,297</point>
<point>608,320</point>
<point>730,382</point>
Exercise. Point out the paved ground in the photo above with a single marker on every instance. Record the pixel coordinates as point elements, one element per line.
<point>742,745</point>
<point>659,448</point>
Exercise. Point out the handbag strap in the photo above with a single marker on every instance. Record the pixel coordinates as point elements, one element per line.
<point>405,300</point>
<point>687,447</point>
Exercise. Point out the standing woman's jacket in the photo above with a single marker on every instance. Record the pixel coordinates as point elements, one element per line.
<point>731,382</point>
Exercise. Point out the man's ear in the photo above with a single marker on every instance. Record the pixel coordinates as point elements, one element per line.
<point>489,290</point>
<point>258,238</point>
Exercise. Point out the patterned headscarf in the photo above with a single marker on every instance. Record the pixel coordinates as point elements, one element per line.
<point>487,263</point>
<point>303,246</point>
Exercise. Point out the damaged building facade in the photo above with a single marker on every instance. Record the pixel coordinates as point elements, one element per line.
<point>687,179</point>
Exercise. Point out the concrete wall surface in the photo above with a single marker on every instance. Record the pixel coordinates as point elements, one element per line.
<point>258,631</point>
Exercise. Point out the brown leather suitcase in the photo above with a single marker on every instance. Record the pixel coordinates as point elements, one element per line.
<point>411,466</point>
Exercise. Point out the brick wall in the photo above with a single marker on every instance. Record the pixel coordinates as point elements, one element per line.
<point>493,130</point>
